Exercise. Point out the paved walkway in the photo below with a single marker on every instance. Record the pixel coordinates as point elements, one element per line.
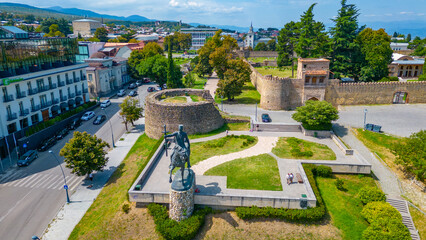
<point>211,84</point>
<point>70,214</point>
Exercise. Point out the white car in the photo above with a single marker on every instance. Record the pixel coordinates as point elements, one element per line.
<point>88,115</point>
<point>121,93</point>
<point>105,103</point>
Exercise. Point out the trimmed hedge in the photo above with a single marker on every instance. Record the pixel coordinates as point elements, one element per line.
<point>370,194</point>
<point>294,215</point>
<point>170,229</point>
<point>375,210</point>
<point>323,171</point>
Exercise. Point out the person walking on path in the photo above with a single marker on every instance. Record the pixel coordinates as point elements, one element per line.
<point>91,177</point>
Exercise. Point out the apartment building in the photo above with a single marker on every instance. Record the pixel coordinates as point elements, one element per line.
<point>39,79</point>
<point>199,35</point>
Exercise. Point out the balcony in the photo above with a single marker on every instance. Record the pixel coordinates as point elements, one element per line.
<point>35,108</point>
<point>32,91</point>
<point>83,77</point>
<point>78,93</point>
<point>64,98</point>
<point>71,95</point>
<point>69,81</point>
<point>11,116</point>
<point>21,95</point>
<point>8,98</point>
<point>52,86</point>
<point>55,101</point>
<point>85,90</point>
<point>46,104</point>
<point>43,89</point>
<point>24,112</point>
<point>61,84</point>
<point>77,79</point>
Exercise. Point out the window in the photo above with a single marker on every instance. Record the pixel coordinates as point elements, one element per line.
<point>58,78</point>
<point>34,119</point>
<point>304,65</point>
<point>11,128</point>
<point>90,77</point>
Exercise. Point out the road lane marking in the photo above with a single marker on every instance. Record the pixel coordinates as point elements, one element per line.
<point>12,177</point>
<point>52,180</point>
<point>40,184</point>
<point>24,180</point>
<point>32,180</point>
<point>40,179</point>
<point>15,177</point>
<point>76,182</point>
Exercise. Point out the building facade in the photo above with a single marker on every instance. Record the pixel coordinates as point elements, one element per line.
<point>249,39</point>
<point>85,27</point>
<point>40,79</point>
<point>199,35</point>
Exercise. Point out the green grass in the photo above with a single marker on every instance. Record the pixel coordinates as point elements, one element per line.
<point>419,220</point>
<point>320,151</point>
<point>199,82</point>
<point>226,126</point>
<point>261,59</point>
<point>196,98</point>
<point>180,61</point>
<point>202,150</point>
<point>95,223</point>
<point>285,72</point>
<point>249,95</point>
<point>178,99</point>
<point>378,143</point>
<point>343,206</point>
<point>257,173</point>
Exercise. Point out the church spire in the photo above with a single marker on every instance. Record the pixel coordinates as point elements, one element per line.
<point>251,27</point>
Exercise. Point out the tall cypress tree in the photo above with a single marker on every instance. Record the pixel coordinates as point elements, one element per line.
<point>346,54</point>
<point>286,40</point>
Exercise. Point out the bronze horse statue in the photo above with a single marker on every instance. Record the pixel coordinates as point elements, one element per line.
<point>181,151</point>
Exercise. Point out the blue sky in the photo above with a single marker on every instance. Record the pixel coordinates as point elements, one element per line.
<point>263,13</point>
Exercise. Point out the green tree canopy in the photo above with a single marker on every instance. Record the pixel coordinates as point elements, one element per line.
<point>84,153</point>
<point>261,47</point>
<point>189,80</point>
<point>130,110</point>
<point>179,41</point>
<point>411,154</point>
<point>174,75</point>
<point>271,45</point>
<point>54,31</point>
<point>154,67</point>
<point>237,73</point>
<point>101,34</point>
<point>316,115</point>
<point>137,56</point>
<point>286,40</point>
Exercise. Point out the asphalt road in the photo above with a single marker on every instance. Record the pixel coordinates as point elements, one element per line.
<point>31,196</point>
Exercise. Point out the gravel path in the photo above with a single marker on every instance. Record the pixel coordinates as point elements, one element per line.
<point>264,145</point>
<point>211,84</point>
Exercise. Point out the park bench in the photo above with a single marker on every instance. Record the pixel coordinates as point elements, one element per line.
<point>299,178</point>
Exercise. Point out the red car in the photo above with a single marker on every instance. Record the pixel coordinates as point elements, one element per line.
<point>151,89</point>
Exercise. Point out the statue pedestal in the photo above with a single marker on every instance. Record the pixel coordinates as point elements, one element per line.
<point>182,195</point>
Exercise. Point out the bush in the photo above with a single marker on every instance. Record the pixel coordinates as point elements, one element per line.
<point>340,184</point>
<point>389,79</point>
<point>371,194</point>
<point>376,210</point>
<point>385,228</point>
<point>170,229</point>
<point>294,215</point>
<point>316,115</point>
<point>323,171</point>
<point>125,208</point>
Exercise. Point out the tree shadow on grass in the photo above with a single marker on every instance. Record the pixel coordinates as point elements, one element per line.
<point>225,215</point>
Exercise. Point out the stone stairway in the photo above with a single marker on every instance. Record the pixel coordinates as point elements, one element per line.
<point>402,207</point>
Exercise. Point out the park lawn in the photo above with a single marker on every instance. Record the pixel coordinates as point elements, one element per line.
<point>320,151</point>
<point>261,59</point>
<point>199,82</point>
<point>105,218</point>
<point>180,61</point>
<point>203,150</point>
<point>343,206</point>
<point>256,173</point>
<point>274,71</point>
<point>177,99</point>
<point>249,95</point>
<point>227,126</point>
<point>196,98</point>
<point>419,220</point>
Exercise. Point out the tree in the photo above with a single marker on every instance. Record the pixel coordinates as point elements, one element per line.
<point>154,67</point>
<point>408,39</point>
<point>411,154</point>
<point>286,40</point>
<point>313,40</point>
<point>101,34</point>
<point>174,76</point>
<point>84,153</point>
<point>316,115</point>
<point>261,47</point>
<point>54,31</point>
<point>236,75</point>
<point>179,41</point>
<point>137,56</point>
<point>346,52</point>
<point>376,54</point>
<point>271,45</point>
<point>189,80</point>
<point>130,110</point>
<point>419,46</point>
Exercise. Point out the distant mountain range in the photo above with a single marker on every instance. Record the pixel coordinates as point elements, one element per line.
<point>416,28</point>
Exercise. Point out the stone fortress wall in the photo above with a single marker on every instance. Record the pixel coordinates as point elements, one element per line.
<point>196,117</point>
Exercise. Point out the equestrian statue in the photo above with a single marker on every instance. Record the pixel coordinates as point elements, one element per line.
<point>181,151</point>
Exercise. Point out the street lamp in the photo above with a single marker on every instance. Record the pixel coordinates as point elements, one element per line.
<point>35,238</point>
<point>221,97</point>
<point>110,125</point>
<point>365,116</point>
<point>255,115</point>
<point>63,174</point>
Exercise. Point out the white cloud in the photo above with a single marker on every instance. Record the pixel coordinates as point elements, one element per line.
<point>173,3</point>
<point>203,7</point>
<point>406,13</point>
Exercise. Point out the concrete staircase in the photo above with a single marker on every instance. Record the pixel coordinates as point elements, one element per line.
<point>402,207</point>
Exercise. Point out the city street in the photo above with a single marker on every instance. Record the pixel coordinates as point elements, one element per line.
<point>31,196</point>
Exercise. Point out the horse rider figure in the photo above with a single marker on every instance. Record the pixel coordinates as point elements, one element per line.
<point>181,151</point>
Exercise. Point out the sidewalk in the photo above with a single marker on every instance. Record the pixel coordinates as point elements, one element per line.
<point>70,214</point>
<point>211,84</point>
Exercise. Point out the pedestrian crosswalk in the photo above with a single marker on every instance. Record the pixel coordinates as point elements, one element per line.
<point>40,180</point>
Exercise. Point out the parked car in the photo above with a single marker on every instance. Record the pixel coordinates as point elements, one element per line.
<point>75,123</point>
<point>105,103</point>
<point>46,144</point>
<point>88,115</point>
<point>151,89</point>
<point>99,119</point>
<point>121,93</point>
<point>146,80</point>
<point>133,93</point>
<point>266,118</point>
<point>27,158</point>
<point>132,86</point>
<point>139,82</point>
<point>62,133</point>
